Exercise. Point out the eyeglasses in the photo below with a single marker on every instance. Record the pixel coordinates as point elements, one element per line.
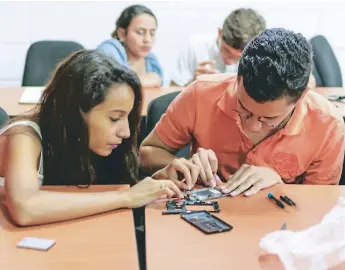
<point>247,116</point>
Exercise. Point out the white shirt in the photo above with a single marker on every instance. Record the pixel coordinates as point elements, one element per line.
<point>38,130</point>
<point>199,49</point>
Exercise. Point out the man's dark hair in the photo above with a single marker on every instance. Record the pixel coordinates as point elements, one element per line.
<point>275,64</point>
<point>241,26</point>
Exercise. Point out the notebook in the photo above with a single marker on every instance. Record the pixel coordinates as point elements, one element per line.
<point>31,95</point>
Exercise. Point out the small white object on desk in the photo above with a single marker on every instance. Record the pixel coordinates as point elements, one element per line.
<point>31,95</point>
<point>36,243</point>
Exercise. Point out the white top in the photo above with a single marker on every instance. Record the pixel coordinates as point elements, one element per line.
<point>38,130</point>
<point>199,49</point>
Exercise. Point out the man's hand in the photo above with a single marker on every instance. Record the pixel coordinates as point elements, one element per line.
<point>207,161</point>
<point>205,67</point>
<point>250,179</point>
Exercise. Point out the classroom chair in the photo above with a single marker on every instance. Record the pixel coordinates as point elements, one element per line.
<point>326,69</point>
<point>42,57</point>
<point>342,178</point>
<point>4,118</point>
<point>155,110</point>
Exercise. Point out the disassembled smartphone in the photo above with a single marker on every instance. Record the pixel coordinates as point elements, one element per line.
<point>175,207</point>
<point>204,194</point>
<point>206,222</point>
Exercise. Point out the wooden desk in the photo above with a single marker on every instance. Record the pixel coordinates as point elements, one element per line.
<point>9,98</point>
<point>105,241</point>
<point>172,243</point>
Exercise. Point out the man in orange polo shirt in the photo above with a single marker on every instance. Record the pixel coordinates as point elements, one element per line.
<point>255,130</point>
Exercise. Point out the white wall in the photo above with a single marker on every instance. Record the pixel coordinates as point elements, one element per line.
<point>22,23</point>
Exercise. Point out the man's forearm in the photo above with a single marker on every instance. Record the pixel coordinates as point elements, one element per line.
<point>153,158</point>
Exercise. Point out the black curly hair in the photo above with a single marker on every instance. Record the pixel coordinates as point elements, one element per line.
<point>275,64</point>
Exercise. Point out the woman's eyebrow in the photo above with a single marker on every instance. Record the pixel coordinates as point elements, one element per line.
<point>120,111</point>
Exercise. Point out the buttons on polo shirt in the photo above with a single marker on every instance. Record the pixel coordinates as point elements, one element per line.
<point>250,156</point>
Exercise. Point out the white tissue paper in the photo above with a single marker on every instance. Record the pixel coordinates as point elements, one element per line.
<point>321,246</point>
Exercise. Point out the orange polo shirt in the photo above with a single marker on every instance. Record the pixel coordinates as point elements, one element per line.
<point>309,149</point>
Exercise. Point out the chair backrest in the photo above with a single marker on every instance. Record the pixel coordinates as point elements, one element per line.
<point>4,118</point>
<point>155,110</point>
<point>342,178</point>
<point>42,57</point>
<point>326,69</point>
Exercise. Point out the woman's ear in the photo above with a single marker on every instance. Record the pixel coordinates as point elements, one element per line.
<point>121,33</point>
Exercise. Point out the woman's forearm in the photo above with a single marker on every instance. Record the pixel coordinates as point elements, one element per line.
<point>50,206</point>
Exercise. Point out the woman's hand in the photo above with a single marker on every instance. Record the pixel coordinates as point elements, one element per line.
<point>180,169</point>
<point>149,190</point>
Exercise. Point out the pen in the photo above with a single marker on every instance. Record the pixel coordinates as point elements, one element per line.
<point>286,200</point>
<point>283,227</point>
<point>277,202</point>
<point>291,201</point>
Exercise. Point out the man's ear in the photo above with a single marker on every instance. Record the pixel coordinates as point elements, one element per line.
<point>121,33</point>
<point>302,96</point>
<point>311,82</point>
<point>305,92</point>
<point>239,80</point>
<point>220,32</point>
<point>311,85</point>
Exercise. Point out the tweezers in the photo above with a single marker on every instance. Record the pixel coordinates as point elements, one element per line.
<point>335,97</point>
